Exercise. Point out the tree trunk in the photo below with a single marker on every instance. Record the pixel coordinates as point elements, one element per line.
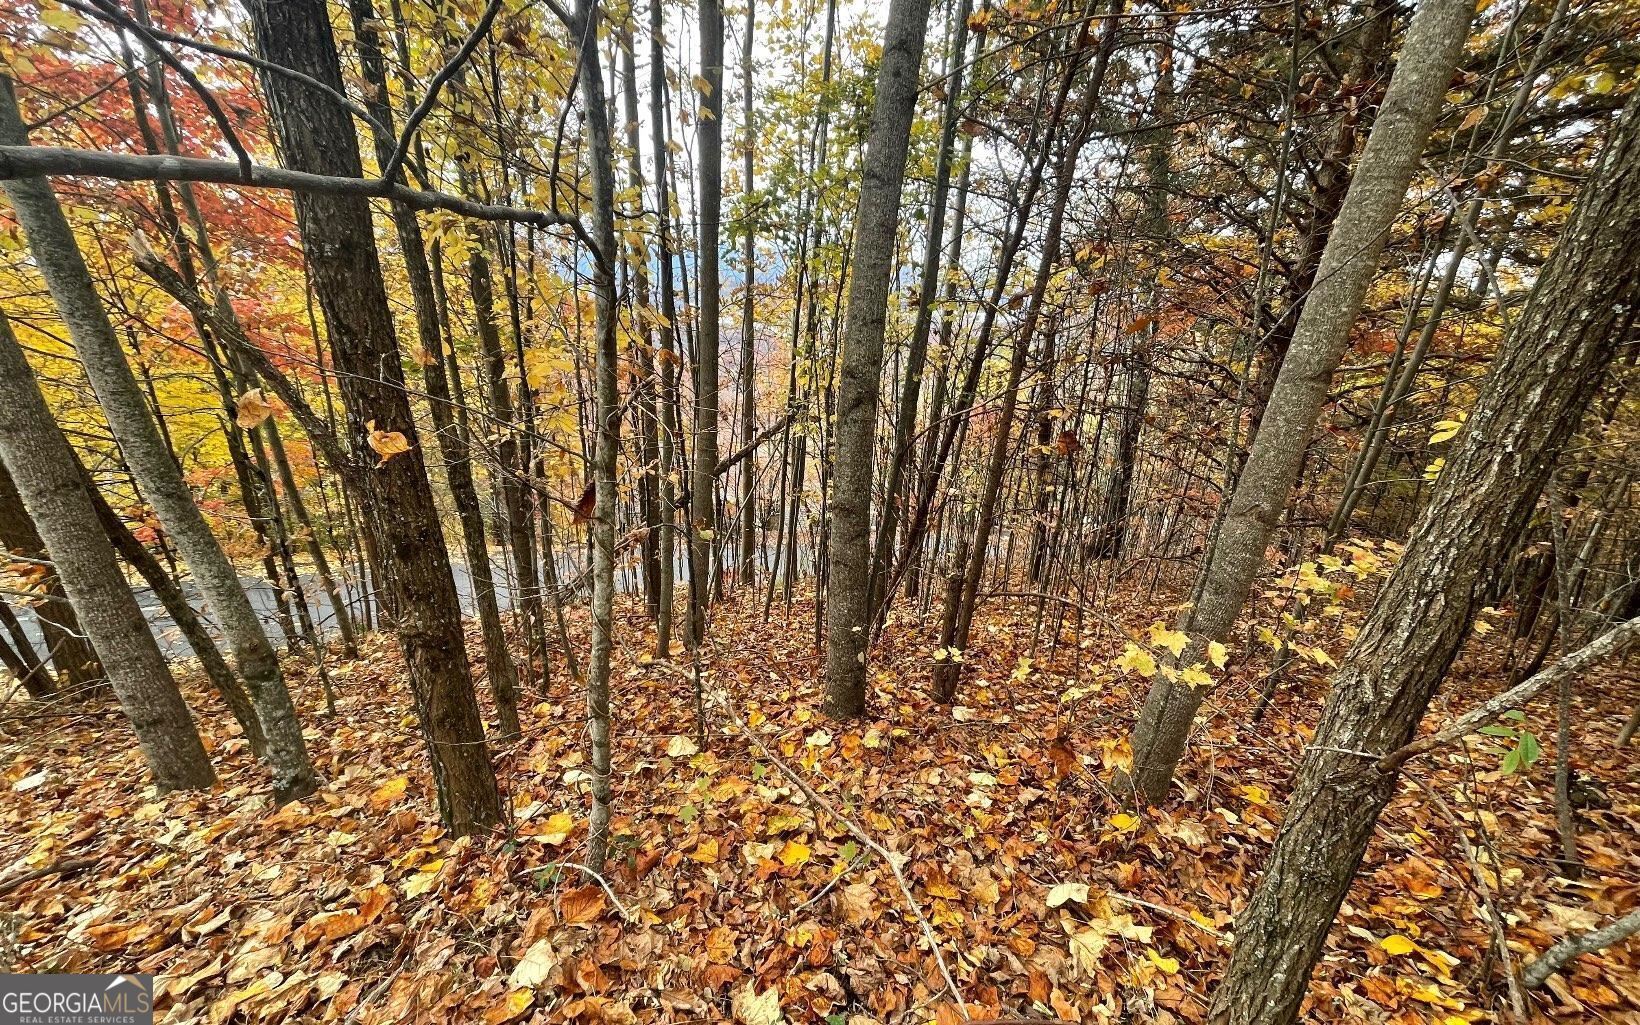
<point>66,646</point>
<point>52,487</point>
<point>317,136</point>
<point>1412,104</point>
<point>668,413</point>
<point>709,210</point>
<point>877,221</point>
<point>928,290</point>
<point>1002,443</point>
<point>1585,302</point>
<point>176,605</point>
<point>746,572</point>
<point>600,155</point>
<point>58,257</point>
<point>452,443</point>
<point>648,388</point>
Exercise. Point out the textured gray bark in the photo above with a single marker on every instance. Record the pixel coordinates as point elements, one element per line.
<point>403,525</point>
<point>58,257</point>
<point>600,150</point>
<point>1555,958</point>
<point>1412,105</point>
<point>54,490</point>
<point>66,648</point>
<point>182,614</point>
<point>877,220</point>
<point>670,432</point>
<point>709,207</point>
<point>452,441</point>
<point>928,290</point>
<point>1586,301</point>
<point>747,513</point>
<point>946,674</point>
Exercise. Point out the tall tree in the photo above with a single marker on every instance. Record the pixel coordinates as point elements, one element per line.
<point>452,442</point>
<point>1412,104</point>
<point>316,135</point>
<point>746,567</point>
<point>928,290</point>
<point>49,480</point>
<point>708,348</point>
<point>58,257</point>
<point>600,147</point>
<point>946,674</point>
<point>1586,302</point>
<point>877,219</point>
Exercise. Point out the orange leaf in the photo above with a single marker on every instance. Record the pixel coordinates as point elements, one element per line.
<point>386,444</point>
<point>583,904</point>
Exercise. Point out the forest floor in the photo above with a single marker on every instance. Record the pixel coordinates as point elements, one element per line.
<point>739,899</point>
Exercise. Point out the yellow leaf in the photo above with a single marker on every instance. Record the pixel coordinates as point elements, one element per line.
<point>1196,677</point>
<point>388,793</point>
<point>1173,640</point>
<point>424,879</point>
<point>536,964</point>
<point>1396,945</point>
<point>1446,430</point>
<point>1136,660</point>
<point>509,1007</point>
<point>1086,946</point>
<point>754,1008</point>
<point>1169,965</point>
<point>68,21</point>
<point>681,747</point>
<point>557,828</point>
<point>794,853</point>
<point>1217,654</point>
<point>1122,822</point>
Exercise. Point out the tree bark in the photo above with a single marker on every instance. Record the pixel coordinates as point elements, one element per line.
<point>52,487</point>
<point>317,136</point>
<point>1412,104</point>
<point>66,646</point>
<point>746,571</point>
<point>928,290</point>
<point>452,443</point>
<point>1554,959</point>
<point>877,219</point>
<point>58,257</point>
<point>1585,301</point>
<point>606,450</point>
<point>709,210</point>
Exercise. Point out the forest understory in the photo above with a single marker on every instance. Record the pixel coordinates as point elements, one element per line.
<point>732,895</point>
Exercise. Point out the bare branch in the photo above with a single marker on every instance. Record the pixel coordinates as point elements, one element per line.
<point>449,71</point>
<point>43,161</point>
<point>1612,642</point>
<point>108,11</point>
<point>237,56</point>
<point>1553,959</point>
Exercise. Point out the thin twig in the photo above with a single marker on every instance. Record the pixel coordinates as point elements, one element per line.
<point>626,912</point>
<point>721,697</point>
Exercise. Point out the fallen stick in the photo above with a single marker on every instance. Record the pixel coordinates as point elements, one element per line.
<point>57,868</point>
<point>720,697</point>
<point>1555,958</point>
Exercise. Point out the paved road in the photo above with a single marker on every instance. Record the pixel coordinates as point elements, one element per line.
<point>261,594</point>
